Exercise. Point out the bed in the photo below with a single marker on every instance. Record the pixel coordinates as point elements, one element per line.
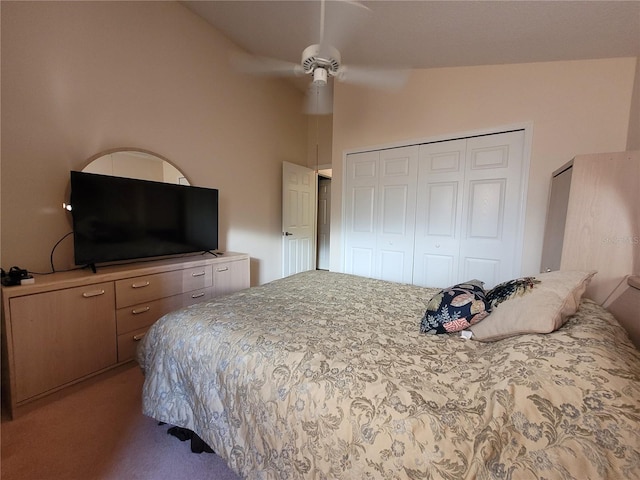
<point>325,375</point>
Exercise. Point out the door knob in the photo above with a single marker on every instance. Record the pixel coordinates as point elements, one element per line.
<point>286,234</point>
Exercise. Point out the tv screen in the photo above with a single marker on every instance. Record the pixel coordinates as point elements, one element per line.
<point>116,218</point>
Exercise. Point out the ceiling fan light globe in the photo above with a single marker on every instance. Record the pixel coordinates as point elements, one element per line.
<point>320,76</point>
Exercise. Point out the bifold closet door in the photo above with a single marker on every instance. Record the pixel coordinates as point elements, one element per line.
<point>437,214</point>
<point>469,208</point>
<point>491,239</point>
<point>380,204</point>
<point>440,191</point>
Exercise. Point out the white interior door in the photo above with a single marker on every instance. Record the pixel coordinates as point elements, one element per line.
<point>299,191</point>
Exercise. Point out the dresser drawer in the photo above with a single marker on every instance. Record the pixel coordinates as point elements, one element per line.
<point>142,315</point>
<point>197,278</point>
<point>197,296</point>
<point>128,343</point>
<point>136,290</point>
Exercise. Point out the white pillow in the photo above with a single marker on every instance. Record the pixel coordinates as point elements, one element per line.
<point>541,309</point>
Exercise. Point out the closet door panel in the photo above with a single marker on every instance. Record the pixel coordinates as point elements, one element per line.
<point>392,265</point>
<point>492,208</point>
<point>397,190</point>
<point>438,213</point>
<point>361,261</point>
<point>485,270</point>
<point>361,212</point>
<point>441,209</point>
<point>394,216</point>
<point>486,209</point>
<point>438,270</point>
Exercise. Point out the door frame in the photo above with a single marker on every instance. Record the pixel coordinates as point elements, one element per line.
<point>322,177</point>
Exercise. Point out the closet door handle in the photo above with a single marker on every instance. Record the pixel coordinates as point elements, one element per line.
<point>94,293</point>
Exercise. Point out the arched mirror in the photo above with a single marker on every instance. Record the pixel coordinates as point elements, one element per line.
<point>131,162</point>
<point>128,163</point>
<point>135,163</point>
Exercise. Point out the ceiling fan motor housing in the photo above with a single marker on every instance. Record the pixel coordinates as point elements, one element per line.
<point>325,57</point>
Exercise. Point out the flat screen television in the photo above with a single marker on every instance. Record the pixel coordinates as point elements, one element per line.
<point>116,218</point>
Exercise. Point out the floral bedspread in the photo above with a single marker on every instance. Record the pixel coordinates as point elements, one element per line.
<point>325,376</point>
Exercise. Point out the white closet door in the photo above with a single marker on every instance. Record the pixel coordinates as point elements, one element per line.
<point>492,206</point>
<point>380,213</point>
<point>397,212</point>
<point>439,213</point>
<point>361,200</point>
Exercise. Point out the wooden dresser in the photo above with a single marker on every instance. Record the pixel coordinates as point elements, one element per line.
<point>593,220</point>
<point>69,326</point>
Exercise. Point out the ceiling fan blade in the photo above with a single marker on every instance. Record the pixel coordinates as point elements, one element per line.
<point>384,78</point>
<point>339,21</point>
<point>258,65</point>
<point>319,99</point>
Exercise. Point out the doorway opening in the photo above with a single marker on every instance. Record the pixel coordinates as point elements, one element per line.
<point>324,220</point>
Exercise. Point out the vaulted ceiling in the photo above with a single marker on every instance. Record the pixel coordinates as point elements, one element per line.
<point>427,34</point>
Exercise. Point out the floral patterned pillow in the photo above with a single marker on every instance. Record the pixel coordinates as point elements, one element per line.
<point>455,308</point>
<point>510,289</point>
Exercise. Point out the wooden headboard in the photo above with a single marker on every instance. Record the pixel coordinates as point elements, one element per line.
<point>626,308</point>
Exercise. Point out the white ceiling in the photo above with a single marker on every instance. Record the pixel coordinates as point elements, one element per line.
<point>427,34</point>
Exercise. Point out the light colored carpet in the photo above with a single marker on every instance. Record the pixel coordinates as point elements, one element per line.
<point>98,432</point>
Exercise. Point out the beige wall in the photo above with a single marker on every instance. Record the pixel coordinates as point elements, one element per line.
<point>574,107</point>
<point>633,140</point>
<point>82,77</point>
<point>320,140</point>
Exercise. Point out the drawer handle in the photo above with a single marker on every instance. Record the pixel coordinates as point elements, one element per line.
<point>140,336</point>
<point>222,269</point>
<point>140,285</point>
<point>197,295</point>
<point>137,311</point>
<point>94,293</point>
<point>197,274</point>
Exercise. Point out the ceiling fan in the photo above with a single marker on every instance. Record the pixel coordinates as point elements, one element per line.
<point>322,62</point>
